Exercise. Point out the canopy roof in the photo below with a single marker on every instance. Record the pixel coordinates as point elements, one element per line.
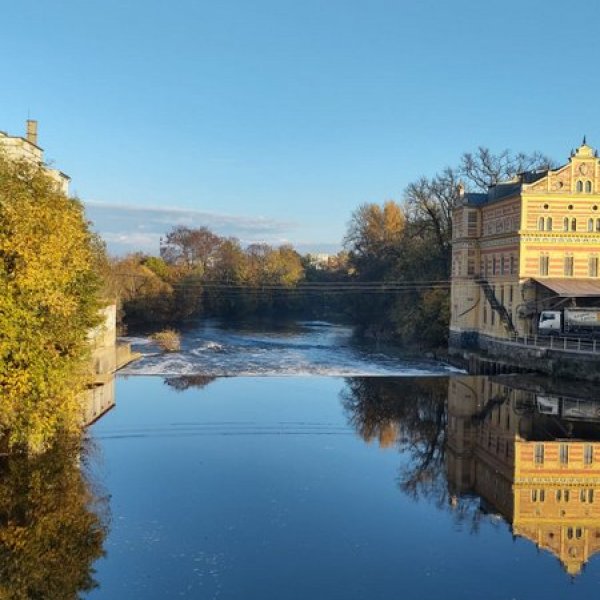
<point>572,288</point>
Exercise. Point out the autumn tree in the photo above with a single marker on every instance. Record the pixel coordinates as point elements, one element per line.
<point>190,248</point>
<point>373,228</point>
<point>48,304</point>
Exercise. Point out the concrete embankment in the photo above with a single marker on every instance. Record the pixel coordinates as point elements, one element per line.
<point>487,355</point>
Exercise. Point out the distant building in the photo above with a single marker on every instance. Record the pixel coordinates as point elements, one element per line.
<point>526,245</point>
<point>26,148</point>
<point>319,260</point>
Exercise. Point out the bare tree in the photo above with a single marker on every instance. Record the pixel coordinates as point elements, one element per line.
<point>482,168</point>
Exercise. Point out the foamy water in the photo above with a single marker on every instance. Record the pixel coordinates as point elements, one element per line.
<point>302,348</point>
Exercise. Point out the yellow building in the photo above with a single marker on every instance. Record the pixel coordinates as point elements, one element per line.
<point>533,457</point>
<point>526,245</point>
<point>26,148</point>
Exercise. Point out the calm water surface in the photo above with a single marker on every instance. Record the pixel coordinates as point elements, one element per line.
<point>315,487</point>
<point>339,488</point>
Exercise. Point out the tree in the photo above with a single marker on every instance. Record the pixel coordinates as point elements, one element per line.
<point>482,168</point>
<point>48,304</point>
<point>192,249</point>
<point>374,228</point>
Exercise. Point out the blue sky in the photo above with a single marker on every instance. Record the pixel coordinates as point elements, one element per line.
<point>274,119</point>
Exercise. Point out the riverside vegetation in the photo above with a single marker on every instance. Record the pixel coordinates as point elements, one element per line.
<point>407,244</point>
<point>49,301</point>
<point>54,275</point>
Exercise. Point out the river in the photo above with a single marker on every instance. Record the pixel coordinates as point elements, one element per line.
<point>277,349</point>
<point>386,478</point>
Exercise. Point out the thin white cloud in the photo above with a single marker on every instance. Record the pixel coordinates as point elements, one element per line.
<point>129,228</point>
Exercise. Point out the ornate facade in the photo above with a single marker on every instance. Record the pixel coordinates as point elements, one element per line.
<point>525,245</point>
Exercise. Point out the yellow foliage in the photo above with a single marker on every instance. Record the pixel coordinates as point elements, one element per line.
<point>48,303</point>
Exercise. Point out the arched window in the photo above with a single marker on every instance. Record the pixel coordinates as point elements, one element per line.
<point>590,224</point>
<point>566,224</point>
<point>597,224</point>
<point>580,186</point>
<point>588,187</point>
<point>549,224</point>
<point>573,224</point>
<point>541,223</point>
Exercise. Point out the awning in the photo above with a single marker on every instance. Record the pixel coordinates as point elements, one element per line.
<point>572,288</point>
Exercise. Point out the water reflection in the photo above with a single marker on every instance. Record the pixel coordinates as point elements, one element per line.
<point>53,518</point>
<point>52,526</point>
<point>522,448</point>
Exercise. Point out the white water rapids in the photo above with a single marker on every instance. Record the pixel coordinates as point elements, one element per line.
<point>299,348</point>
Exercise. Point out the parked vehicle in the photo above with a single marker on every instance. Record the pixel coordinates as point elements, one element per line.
<point>575,321</point>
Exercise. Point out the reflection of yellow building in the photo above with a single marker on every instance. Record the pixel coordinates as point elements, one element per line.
<point>26,148</point>
<point>533,458</point>
<point>522,244</point>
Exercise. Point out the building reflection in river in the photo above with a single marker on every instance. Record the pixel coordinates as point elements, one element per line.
<point>518,447</point>
<point>532,453</point>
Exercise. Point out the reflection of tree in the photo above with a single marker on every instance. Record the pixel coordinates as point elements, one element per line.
<point>411,413</point>
<point>52,526</point>
<point>185,382</point>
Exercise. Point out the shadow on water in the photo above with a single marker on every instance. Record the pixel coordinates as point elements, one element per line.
<point>520,448</point>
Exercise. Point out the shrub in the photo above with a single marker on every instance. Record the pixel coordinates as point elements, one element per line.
<point>168,339</point>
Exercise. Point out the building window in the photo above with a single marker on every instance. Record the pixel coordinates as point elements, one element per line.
<point>494,265</point>
<point>541,222</point>
<point>588,454</point>
<point>593,266</point>
<point>566,224</point>
<point>510,294</point>
<point>538,495</point>
<point>513,265</point>
<point>544,265</point>
<point>573,224</point>
<point>539,454</point>
<point>549,224</point>
<point>580,186</point>
<point>558,495</point>
<point>567,495</point>
<point>590,224</point>
<point>588,187</point>
<point>564,454</point>
<point>568,266</point>
<point>597,224</point>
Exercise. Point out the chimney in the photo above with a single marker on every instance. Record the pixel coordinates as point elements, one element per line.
<point>32,133</point>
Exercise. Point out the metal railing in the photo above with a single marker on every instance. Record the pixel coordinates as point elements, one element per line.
<point>560,343</point>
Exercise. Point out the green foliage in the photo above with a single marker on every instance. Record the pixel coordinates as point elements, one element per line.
<point>48,303</point>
